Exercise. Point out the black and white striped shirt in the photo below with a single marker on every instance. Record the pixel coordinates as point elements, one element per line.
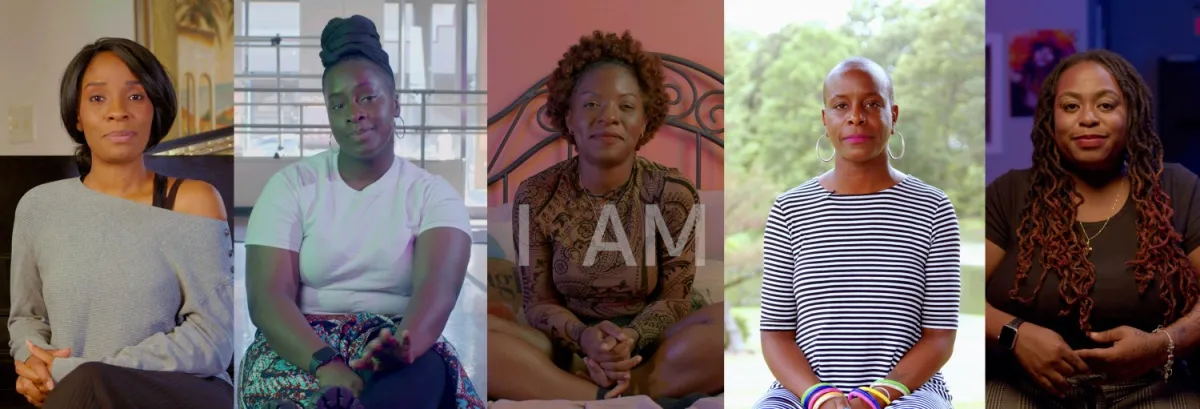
<point>857,277</point>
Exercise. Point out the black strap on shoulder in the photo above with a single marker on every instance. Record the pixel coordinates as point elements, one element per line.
<point>160,186</point>
<point>169,201</point>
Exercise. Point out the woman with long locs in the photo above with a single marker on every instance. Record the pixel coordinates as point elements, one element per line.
<point>861,280</point>
<point>122,279</point>
<point>1092,253</point>
<point>355,258</point>
<point>631,319</point>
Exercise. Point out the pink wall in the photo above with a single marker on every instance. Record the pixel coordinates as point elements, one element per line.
<point>526,38</point>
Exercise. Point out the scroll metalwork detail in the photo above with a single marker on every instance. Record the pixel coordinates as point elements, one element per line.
<point>686,111</point>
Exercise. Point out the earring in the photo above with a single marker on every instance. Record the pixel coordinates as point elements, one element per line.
<point>902,147</point>
<point>824,136</point>
<point>397,130</point>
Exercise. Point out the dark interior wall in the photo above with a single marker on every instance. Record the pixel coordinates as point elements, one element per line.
<point>216,170</point>
<point>1161,40</point>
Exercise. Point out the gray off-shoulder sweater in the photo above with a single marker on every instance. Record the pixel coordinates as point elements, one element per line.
<point>121,283</point>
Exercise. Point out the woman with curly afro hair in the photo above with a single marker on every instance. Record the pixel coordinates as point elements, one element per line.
<point>591,281</point>
<point>1092,253</point>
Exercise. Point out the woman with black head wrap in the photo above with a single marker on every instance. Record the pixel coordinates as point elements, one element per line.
<point>355,258</point>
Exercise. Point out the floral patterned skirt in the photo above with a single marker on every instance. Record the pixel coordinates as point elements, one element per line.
<point>266,378</point>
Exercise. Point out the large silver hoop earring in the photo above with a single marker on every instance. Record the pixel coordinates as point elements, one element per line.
<point>902,147</point>
<point>824,136</point>
<point>397,130</point>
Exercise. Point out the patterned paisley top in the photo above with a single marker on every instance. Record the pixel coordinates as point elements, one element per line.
<point>569,277</point>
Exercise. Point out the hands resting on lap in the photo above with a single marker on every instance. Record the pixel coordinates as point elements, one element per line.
<point>383,353</point>
<point>608,353</point>
<point>1050,362</point>
<point>33,376</point>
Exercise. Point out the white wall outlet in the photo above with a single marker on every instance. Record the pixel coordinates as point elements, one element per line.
<point>20,124</point>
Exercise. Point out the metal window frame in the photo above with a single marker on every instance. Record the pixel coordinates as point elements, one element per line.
<point>244,42</point>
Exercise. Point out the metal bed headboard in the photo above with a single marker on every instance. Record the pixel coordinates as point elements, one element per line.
<point>684,69</point>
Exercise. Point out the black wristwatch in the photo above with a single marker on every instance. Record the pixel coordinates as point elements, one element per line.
<point>1008,334</point>
<point>320,358</point>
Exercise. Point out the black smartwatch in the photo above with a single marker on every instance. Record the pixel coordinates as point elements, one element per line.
<point>320,358</point>
<point>1008,334</point>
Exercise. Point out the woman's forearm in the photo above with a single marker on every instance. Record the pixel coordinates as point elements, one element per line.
<point>925,358</point>
<point>994,322</point>
<point>787,361</point>
<point>440,258</point>
<point>674,302</point>
<point>558,323</point>
<point>543,305</point>
<point>677,264</point>
<point>28,307</point>
<point>656,318</point>
<point>285,328</point>
<point>25,317</point>
<point>1185,333</point>
<point>428,312</point>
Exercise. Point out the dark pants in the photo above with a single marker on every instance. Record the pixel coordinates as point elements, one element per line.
<point>104,386</point>
<point>425,384</point>
<point>1017,391</point>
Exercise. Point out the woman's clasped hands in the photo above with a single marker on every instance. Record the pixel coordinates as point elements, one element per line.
<point>385,352</point>
<point>608,353</point>
<point>33,376</point>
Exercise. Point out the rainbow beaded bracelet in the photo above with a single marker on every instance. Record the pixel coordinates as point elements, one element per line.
<point>814,392</point>
<point>892,384</point>
<point>829,394</point>
<point>861,393</point>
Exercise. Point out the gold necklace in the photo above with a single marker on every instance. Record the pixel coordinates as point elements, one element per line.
<point>591,198</point>
<point>613,196</point>
<point>1093,237</point>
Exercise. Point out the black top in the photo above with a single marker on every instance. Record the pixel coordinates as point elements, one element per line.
<point>1115,295</point>
<point>163,198</point>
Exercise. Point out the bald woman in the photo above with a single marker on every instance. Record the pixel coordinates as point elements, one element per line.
<point>837,331</point>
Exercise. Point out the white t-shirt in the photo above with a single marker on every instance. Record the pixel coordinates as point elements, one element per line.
<point>356,247</point>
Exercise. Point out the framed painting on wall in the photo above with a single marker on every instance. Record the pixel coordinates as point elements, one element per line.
<point>996,95</point>
<point>194,40</point>
<point>1032,56</point>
